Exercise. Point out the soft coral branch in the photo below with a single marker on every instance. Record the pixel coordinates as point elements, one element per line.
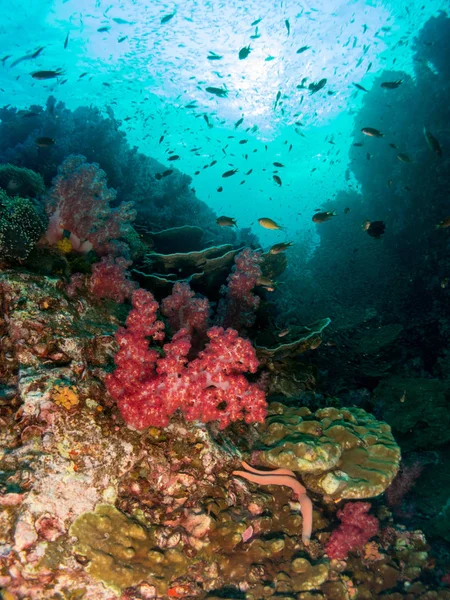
<point>149,387</point>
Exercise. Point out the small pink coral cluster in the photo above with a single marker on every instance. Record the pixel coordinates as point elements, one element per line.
<point>184,311</point>
<point>80,202</point>
<point>237,309</point>
<point>149,387</point>
<point>109,279</point>
<point>355,530</point>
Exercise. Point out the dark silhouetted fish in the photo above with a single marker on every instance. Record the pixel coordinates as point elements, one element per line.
<point>391,85</point>
<point>321,217</point>
<point>229,173</point>
<point>432,142</point>
<point>41,75</point>
<point>167,18</point>
<point>315,87</point>
<point>44,142</point>
<point>371,132</point>
<point>244,52</point>
<point>219,92</point>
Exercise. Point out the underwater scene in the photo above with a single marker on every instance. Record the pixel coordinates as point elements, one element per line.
<point>225,300</point>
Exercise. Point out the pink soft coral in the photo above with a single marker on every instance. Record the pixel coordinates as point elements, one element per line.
<point>238,306</point>
<point>149,388</point>
<point>355,530</point>
<point>184,311</point>
<point>80,202</point>
<point>109,279</point>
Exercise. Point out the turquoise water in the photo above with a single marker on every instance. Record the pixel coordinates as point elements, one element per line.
<point>149,71</point>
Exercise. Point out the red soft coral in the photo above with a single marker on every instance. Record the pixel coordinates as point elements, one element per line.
<point>355,530</point>
<point>184,311</point>
<point>149,388</point>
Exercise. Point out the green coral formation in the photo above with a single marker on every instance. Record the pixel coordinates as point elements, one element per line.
<point>417,411</point>
<point>343,453</point>
<point>18,181</point>
<point>21,226</point>
<point>121,552</point>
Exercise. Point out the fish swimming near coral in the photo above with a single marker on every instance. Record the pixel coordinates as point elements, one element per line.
<point>224,221</point>
<point>391,85</point>
<point>44,142</point>
<point>268,223</point>
<point>374,228</point>
<point>321,217</point>
<point>371,132</point>
<point>167,18</point>
<point>281,247</point>
<point>277,180</point>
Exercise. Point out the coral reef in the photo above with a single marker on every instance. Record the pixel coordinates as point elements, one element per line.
<point>184,311</point>
<point>110,279</point>
<point>355,530</point>
<point>343,453</point>
<point>81,203</point>
<point>297,341</point>
<point>21,226</point>
<point>205,270</point>
<point>238,307</point>
<point>212,387</point>
<point>160,203</point>
<point>121,552</point>
<point>18,181</point>
<point>92,509</point>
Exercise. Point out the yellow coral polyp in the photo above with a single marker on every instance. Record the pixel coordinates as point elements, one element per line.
<point>65,396</point>
<point>64,245</point>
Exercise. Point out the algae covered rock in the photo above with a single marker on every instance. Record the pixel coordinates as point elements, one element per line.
<point>344,453</point>
<point>417,410</point>
<point>121,552</point>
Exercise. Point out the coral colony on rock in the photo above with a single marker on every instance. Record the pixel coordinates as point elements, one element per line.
<point>239,389</point>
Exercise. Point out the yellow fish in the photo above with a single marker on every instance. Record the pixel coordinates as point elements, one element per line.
<point>268,223</point>
<point>226,221</point>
